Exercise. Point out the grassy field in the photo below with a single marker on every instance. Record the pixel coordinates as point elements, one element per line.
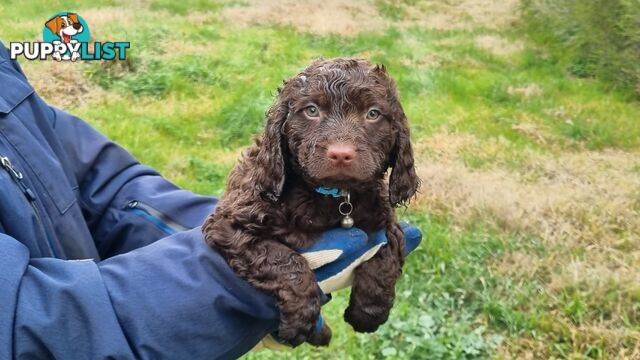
<point>530,206</point>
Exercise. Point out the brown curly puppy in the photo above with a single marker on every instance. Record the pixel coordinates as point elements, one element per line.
<point>338,124</point>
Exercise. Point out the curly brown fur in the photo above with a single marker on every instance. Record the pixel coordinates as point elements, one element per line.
<point>270,206</point>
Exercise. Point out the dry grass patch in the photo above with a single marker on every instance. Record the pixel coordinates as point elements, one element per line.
<point>599,273</point>
<point>497,45</point>
<point>526,91</point>
<point>100,19</point>
<point>62,84</point>
<point>619,344</point>
<point>354,17</point>
<point>519,264</point>
<point>201,18</point>
<point>492,14</point>
<point>462,14</point>
<point>444,146</point>
<point>452,189</point>
<point>532,131</point>
<point>587,198</point>
<point>325,17</point>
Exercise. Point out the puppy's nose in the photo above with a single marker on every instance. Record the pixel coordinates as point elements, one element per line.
<point>77,26</point>
<point>341,154</point>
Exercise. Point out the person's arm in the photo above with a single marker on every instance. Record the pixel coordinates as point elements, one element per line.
<point>175,299</point>
<point>127,205</point>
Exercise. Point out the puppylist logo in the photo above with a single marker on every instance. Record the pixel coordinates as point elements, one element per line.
<point>66,37</point>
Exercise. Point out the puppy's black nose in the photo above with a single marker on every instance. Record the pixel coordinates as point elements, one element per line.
<point>341,154</point>
<point>77,26</point>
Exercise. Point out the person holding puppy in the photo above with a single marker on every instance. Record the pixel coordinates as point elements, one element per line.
<point>101,257</point>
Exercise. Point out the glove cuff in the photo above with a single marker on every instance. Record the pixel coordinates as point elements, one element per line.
<point>319,324</point>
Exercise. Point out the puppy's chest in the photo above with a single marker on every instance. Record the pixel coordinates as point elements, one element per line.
<point>311,214</point>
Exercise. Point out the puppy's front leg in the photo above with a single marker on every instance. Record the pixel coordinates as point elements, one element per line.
<point>281,270</point>
<point>374,281</point>
<point>277,269</point>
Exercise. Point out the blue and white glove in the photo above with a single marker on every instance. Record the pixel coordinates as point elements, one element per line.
<point>337,253</point>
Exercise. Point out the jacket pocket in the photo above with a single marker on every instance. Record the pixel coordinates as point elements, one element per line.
<point>23,124</point>
<point>162,221</point>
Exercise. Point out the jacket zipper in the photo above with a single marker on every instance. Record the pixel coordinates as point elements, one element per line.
<point>156,217</point>
<point>18,178</point>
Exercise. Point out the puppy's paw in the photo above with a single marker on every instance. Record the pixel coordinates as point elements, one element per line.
<point>366,320</point>
<point>294,334</point>
<point>298,323</point>
<point>322,337</point>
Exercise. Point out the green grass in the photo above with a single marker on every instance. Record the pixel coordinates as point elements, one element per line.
<point>189,109</point>
<point>597,39</point>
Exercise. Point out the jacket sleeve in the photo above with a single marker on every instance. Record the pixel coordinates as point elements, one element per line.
<point>111,181</point>
<point>174,299</point>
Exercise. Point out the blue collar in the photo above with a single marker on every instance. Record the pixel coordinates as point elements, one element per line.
<point>329,191</point>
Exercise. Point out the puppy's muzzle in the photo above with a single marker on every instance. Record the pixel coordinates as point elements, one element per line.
<point>341,154</point>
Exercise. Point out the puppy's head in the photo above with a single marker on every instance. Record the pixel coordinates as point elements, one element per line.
<point>339,124</point>
<point>65,26</point>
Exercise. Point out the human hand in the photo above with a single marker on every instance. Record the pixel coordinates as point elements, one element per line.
<point>339,251</point>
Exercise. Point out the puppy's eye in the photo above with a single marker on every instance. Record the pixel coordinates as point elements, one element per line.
<point>312,111</point>
<point>373,114</point>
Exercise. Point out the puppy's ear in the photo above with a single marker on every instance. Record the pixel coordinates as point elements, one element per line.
<point>73,17</point>
<point>270,176</point>
<point>54,24</point>
<point>403,181</point>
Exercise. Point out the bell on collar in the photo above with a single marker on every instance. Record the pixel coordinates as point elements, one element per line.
<point>347,222</point>
<point>345,208</point>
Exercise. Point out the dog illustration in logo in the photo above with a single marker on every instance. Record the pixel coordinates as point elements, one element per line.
<point>65,26</point>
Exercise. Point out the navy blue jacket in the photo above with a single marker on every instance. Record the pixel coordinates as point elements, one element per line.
<point>69,193</point>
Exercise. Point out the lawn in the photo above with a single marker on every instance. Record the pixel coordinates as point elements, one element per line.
<point>530,205</point>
